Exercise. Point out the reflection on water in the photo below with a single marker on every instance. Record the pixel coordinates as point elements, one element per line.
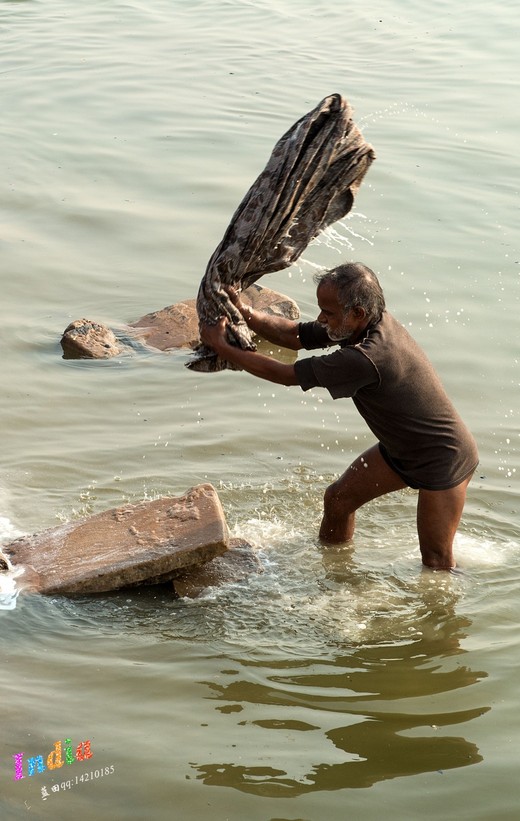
<point>378,710</point>
<point>333,669</point>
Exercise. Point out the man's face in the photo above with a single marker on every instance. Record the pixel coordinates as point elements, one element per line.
<point>340,325</point>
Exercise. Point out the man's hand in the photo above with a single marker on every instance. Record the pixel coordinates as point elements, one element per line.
<point>214,336</point>
<point>257,364</point>
<point>233,294</point>
<point>276,329</point>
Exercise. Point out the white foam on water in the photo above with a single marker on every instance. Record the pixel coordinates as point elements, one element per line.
<point>7,530</point>
<point>8,586</point>
<point>266,533</point>
<point>473,552</point>
<point>376,590</point>
<point>9,589</point>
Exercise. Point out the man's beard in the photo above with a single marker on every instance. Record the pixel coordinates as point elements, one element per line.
<point>340,335</point>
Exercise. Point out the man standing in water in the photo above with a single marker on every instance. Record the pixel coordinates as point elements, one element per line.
<point>422,441</point>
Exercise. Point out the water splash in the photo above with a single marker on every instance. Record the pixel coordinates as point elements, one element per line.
<point>9,589</point>
<point>8,531</point>
<point>338,236</point>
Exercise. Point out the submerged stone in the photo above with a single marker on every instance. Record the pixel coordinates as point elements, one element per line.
<point>239,562</point>
<point>176,326</point>
<point>131,544</point>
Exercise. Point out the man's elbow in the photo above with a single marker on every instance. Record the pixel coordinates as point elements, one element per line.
<point>288,377</point>
<point>295,344</point>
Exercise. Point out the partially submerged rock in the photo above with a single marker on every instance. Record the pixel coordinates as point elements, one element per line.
<point>84,338</point>
<point>235,564</point>
<point>132,544</point>
<point>176,326</point>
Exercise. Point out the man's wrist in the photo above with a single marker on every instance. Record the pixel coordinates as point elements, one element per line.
<point>246,311</point>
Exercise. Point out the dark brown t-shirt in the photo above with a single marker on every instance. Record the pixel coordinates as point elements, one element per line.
<point>398,393</point>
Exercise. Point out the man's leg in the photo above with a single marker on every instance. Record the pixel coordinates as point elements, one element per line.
<point>438,516</point>
<point>367,477</point>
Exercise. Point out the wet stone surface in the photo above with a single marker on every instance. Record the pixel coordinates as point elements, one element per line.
<point>141,543</point>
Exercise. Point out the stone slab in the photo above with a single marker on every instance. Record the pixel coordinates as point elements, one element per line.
<point>126,545</point>
<point>239,562</point>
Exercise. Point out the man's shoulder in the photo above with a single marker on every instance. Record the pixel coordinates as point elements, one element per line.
<point>392,348</point>
<point>387,329</point>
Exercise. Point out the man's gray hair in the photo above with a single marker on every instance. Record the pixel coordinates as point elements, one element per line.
<point>357,286</point>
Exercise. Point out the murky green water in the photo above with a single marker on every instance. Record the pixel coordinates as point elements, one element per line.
<point>338,683</point>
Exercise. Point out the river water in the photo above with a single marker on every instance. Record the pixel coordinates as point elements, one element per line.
<point>337,684</point>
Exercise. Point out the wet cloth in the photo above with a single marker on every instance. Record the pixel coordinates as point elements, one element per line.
<point>309,183</point>
<point>401,398</point>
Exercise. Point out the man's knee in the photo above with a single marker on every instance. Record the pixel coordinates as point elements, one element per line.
<point>331,495</point>
<point>337,497</point>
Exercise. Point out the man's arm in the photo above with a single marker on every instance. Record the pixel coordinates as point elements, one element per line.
<point>255,363</point>
<point>276,329</point>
